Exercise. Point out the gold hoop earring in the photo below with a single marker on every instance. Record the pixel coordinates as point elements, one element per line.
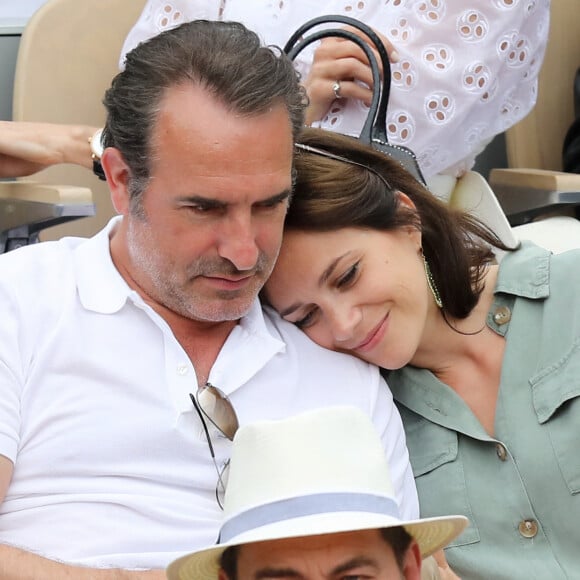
<point>431,282</point>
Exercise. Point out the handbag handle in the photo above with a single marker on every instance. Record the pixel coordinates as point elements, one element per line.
<point>374,131</point>
<point>376,121</point>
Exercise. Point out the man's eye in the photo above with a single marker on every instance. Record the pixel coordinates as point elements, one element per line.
<point>273,203</point>
<point>201,208</point>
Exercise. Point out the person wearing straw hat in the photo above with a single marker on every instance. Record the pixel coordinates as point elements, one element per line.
<point>310,497</point>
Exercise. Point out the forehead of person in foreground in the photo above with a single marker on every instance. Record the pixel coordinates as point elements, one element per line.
<point>311,497</point>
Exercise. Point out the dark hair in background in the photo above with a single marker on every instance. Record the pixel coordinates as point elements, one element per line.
<point>229,562</point>
<point>224,58</point>
<point>330,194</point>
<point>571,147</point>
<point>398,538</point>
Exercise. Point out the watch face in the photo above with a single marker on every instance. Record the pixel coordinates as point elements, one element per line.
<point>96,144</point>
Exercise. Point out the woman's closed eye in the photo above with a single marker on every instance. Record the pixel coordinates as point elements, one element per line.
<point>349,276</point>
<point>307,320</point>
<point>346,280</point>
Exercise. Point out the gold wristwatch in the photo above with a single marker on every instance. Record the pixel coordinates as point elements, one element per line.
<point>97,149</point>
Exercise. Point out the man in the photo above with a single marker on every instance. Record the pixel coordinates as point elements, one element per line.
<point>112,441</point>
<point>322,510</point>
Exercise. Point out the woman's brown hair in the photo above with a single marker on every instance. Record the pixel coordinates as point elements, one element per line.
<point>361,191</point>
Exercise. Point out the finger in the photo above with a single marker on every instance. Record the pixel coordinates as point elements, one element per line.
<point>391,50</point>
<point>323,91</point>
<point>445,572</point>
<point>320,81</point>
<point>352,90</point>
<point>332,49</point>
<point>342,69</point>
<point>321,96</point>
<point>441,559</point>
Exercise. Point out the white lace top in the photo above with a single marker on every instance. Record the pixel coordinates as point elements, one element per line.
<point>467,71</point>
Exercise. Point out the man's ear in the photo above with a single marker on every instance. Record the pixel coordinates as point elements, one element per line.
<point>412,562</point>
<point>117,172</point>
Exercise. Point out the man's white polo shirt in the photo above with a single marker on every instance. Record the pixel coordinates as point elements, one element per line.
<point>112,467</point>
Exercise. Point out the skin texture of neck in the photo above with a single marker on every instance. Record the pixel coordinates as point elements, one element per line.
<point>470,365</point>
<point>441,343</point>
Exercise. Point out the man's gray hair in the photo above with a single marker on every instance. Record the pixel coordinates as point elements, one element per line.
<point>224,58</point>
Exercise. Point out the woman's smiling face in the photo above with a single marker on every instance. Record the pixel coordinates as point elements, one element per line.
<point>354,290</point>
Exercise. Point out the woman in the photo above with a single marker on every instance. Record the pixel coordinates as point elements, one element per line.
<point>483,359</point>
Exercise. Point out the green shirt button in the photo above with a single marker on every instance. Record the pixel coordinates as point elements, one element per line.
<point>528,528</point>
<point>501,451</point>
<point>502,315</point>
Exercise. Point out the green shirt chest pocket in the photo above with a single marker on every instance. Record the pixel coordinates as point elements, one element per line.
<point>438,471</point>
<point>556,400</point>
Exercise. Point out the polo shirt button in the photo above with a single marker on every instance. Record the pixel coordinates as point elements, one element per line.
<point>501,451</point>
<point>502,315</point>
<point>182,369</point>
<point>528,528</point>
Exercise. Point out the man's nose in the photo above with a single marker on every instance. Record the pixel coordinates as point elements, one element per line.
<point>238,243</point>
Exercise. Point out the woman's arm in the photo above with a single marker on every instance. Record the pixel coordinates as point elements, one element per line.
<point>26,148</point>
<point>17,564</point>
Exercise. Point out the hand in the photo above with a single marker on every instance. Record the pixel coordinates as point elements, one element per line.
<point>445,572</point>
<point>339,59</point>
<point>26,148</point>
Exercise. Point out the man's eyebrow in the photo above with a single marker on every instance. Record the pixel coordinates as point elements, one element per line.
<point>287,193</point>
<point>212,203</point>
<point>355,562</point>
<point>267,573</point>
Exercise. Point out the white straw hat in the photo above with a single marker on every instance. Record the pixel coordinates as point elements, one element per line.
<point>320,472</point>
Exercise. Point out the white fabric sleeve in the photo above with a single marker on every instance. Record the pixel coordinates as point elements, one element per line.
<point>160,15</point>
<point>11,375</point>
<point>388,421</point>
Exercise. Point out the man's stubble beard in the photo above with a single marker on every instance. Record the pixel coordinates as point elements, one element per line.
<point>158,278</point>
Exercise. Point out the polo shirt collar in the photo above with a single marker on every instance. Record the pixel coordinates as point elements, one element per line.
<point>248,348</point>
<point>100,286</point>
<point>102,289</point>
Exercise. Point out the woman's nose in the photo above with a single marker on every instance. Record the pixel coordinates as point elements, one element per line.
<point>344,321</point>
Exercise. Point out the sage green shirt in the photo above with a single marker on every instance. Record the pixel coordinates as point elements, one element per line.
<point>521,488</point>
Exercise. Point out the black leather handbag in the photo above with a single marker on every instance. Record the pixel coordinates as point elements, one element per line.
<point>374,131</point>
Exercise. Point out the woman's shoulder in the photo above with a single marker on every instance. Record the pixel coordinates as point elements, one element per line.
<point>536,273</point>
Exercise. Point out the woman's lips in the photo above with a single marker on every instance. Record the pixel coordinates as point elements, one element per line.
<point>374,337</point>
